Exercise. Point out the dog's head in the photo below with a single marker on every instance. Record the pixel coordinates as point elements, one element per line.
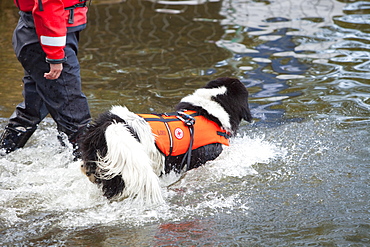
<point>224,100</point>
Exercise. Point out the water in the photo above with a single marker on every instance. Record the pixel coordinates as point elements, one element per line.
<point>297,176</point>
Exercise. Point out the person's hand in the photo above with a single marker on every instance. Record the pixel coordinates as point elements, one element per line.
<point>55,70</point>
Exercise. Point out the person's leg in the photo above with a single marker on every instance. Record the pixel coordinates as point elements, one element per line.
<point>64,98</point>
<point>28,114</point>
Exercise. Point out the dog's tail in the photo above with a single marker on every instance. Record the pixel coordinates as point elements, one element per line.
<point>127,157</point>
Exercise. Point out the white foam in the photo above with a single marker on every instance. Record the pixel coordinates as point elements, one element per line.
<point>237,160</point>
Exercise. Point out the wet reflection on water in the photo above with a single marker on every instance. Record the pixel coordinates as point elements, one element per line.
<point>297,58</point>
<point>154,56</point>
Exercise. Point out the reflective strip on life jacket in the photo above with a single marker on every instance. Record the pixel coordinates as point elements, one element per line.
<point>172,136</point>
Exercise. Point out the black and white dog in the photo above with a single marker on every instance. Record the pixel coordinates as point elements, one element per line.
<point>126,153</point>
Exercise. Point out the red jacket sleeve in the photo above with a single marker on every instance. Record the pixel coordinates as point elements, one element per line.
<point>50,23</point>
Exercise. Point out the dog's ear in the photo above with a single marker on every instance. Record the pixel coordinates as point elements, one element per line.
<point>240,93</point>
<point>247,113</point>
<point>247,116</point>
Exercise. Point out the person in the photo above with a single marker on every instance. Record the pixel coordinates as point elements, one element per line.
<point>45,42</point>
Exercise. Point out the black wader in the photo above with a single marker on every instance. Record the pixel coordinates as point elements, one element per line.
<point>61,98</point>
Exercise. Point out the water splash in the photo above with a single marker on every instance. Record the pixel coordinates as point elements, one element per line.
<point>43,189</point>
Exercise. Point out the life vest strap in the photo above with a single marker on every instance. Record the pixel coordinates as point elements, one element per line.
<point>189,121</point>
<point>224,134</point>
<point>180,115</point>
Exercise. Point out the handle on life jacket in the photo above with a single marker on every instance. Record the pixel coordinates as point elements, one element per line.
<point>186,118</point>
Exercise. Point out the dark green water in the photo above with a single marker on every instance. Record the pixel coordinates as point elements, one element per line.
<point>297,176</point>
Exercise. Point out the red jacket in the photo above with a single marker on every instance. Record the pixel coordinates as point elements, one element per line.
<point>52,18</point>
<point>172,136</point>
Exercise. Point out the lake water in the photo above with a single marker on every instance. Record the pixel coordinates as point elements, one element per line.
<point>297,176</point>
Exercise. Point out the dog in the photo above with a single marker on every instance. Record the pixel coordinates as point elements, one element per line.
<point>126,153</point>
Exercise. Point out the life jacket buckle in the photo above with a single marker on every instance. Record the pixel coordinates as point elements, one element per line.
<point>186,118</point>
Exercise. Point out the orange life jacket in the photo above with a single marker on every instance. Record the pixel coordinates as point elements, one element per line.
<point>174,132</point>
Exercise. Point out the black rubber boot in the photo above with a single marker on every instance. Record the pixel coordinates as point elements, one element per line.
<point>15,137</point>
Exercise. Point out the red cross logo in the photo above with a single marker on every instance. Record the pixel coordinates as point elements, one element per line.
<point>179,133</point>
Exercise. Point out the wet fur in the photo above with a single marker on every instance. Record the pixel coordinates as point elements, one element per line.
<point>232,105</point>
